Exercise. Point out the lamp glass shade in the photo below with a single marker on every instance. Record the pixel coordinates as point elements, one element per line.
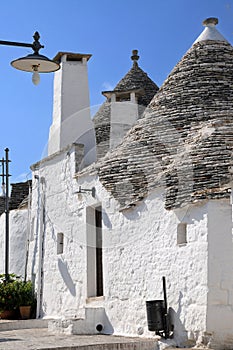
<point>28,63</point>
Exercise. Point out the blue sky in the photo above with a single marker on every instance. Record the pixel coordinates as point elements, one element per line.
<point>162,31</point>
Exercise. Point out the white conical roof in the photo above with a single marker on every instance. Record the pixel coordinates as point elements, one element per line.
<point>210,32</point>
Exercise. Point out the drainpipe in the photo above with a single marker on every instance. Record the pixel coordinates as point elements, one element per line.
<point>40,249</point>
<point>28,233</point>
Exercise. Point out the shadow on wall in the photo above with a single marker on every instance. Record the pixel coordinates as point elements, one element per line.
<point>66,277</point>
<point>106,220</point>
<point>180,333</point>
<point>108,328</point>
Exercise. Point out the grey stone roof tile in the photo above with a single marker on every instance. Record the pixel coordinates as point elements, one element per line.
<point>184,142</point>
<point>136,78</point>
<point>102,129</point>
<point>19,193</point>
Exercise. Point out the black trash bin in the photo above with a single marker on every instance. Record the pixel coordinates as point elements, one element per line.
<point>155,315</point>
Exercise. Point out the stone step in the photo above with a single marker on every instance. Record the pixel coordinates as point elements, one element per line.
<point>8,325</point>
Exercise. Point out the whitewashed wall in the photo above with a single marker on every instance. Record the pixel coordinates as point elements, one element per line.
<point>123,117</point>
<point>54,210</point>
<point>18,233</point>
<point>71,109</point>
<point>140,246</point>
<point>220,275</point>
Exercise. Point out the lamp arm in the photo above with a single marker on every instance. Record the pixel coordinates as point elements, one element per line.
<point>14,43</point>
<point>36,46</point>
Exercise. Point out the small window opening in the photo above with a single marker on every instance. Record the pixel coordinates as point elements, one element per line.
<point>182,233</point>
<point>60,242</point>
<point>123,98</point>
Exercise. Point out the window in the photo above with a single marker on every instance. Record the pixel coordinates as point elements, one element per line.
<point>182,233</point>
<point>60,241</point>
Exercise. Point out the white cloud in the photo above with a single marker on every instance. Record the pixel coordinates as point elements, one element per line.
<point>107,86</point>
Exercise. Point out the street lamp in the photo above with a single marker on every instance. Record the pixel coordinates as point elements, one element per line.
<point>35,62</point>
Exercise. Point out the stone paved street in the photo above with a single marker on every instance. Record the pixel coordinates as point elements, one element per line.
<point>41,339</point>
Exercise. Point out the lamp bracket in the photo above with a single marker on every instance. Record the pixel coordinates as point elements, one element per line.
<point>36,45</point>
<point>83,190</point>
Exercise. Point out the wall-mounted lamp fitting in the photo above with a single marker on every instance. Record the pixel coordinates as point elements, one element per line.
<point>83,190</point>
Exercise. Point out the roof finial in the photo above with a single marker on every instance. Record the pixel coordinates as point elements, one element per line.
<point>211,21</point>
<point>210,32</point>
<point>135,57</point>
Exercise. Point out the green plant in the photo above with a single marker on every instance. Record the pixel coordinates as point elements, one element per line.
<point>26,294</point>
<point>9,292</point>
<point>15,292</point>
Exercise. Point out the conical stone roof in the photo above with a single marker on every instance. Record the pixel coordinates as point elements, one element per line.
<point>135,79</point>
<point>102,129</point>
<point>184,142</point>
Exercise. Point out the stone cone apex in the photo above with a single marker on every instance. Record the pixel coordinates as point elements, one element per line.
<point>210,32</point>
<point>135,81</point>
<point>135,57</point>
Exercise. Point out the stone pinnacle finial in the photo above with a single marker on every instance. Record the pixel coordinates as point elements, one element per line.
<point>212,21</point>
<point>210,32</point>
<point>135,57</point>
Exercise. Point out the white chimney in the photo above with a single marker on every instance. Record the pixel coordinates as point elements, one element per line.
<point>71,107</point>
<point>124,113</point>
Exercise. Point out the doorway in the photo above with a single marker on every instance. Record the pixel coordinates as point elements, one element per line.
<point>94,252</point>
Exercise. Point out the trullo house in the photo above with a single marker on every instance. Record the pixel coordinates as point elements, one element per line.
<point>141,191</point>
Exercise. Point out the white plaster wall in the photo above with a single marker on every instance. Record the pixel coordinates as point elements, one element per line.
<point>123,116</point>
<point>18,232</point>
<point>220,275</point>
<point>63,274</point>
<point>140,246</point>
<point>71,112</point>
<point>150,253</point>
<point>71,83</point>
<point>54,132</point>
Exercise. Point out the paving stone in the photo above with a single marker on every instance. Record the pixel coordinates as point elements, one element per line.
<point>41,339</point>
